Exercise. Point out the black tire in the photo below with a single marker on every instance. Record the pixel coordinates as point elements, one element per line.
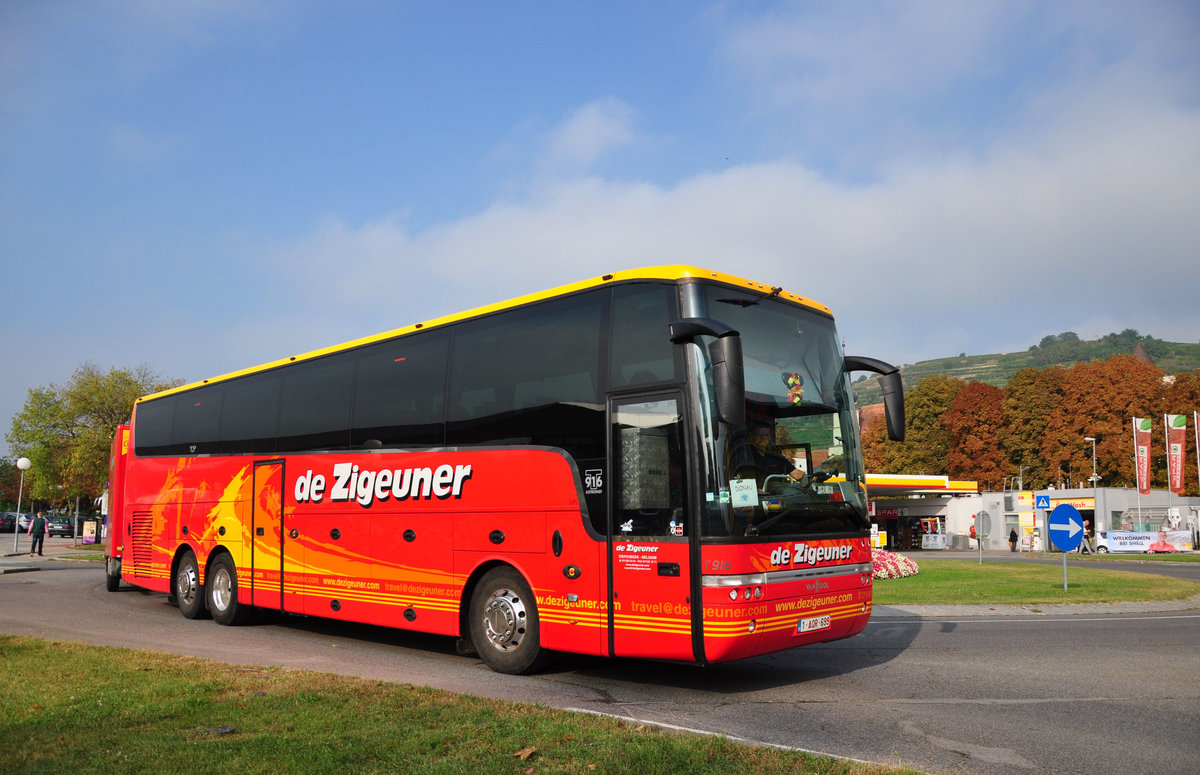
<point>503,623</point>
<point>112,582</point>
<point>1102,550</point>
<point>221,592</point>
<point>186,588</point>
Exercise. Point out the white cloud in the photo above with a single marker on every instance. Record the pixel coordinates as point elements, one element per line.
<point>853,55</point>
<point>1032,237</point>
<point>590,132</point>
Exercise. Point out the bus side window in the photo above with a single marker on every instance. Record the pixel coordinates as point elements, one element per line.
<point>248,414</point>
<point>314,410</point>
<point>530,376</point>
<point>399,394</point>
<point>641,348</point>
<point>152,433</point>
<point>194,427</point>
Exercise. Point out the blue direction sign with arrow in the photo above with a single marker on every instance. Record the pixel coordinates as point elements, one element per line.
<point>1066,527</point>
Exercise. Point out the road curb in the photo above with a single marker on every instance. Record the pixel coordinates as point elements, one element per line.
<point>1052,609</point>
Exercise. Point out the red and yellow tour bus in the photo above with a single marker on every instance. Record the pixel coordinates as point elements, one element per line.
<point>658,463</point>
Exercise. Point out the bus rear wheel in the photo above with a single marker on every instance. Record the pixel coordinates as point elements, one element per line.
<point>503,622</point>
<point>222,593</point>
<point>112,574</point>
<point>188,593</point>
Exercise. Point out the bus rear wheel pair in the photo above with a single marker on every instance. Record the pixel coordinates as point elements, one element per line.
<point>218,598</point>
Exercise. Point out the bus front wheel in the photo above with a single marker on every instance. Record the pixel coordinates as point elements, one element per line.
<point>223,593</point>
<point>189,595</point>
<point>504,623</point>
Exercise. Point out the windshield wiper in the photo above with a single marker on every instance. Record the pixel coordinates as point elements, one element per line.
<point>751,302</point>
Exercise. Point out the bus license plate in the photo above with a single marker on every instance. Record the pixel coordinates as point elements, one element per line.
<point>813,624</point>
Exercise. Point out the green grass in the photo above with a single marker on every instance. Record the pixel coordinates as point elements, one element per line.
<point>85,552</point>
<point>943,582</point>
<point>69,708</point>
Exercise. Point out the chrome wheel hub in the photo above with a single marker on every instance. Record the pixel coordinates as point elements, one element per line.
<point>187,584</point>
<point>222,589</point>
<point>504,619</point>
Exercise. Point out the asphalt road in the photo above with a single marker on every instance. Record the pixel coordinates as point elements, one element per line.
<point>976,694</point>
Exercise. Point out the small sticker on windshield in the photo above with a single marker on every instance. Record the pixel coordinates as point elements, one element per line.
<point>744,493</point>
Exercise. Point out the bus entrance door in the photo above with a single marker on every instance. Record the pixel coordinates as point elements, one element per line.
<point>648,600</point>
<point>266,525</point>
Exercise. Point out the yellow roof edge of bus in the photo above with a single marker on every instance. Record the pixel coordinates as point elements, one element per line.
<point>665,272</point>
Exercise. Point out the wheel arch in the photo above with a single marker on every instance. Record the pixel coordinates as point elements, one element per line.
<point>220,550</point>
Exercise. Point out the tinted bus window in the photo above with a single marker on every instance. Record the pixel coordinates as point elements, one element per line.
<point>399,396</point>
<point>153,430</point>
<point>642,352</point>
<point>531,376</point>
<point>194,427</point>
<point>248,414</point>
<point>314,410</point>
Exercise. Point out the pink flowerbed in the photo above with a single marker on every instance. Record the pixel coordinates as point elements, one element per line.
<point>889,565</point>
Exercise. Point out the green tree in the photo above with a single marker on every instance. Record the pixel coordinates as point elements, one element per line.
<point>66,431</point>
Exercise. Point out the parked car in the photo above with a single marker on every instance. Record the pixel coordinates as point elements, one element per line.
<point>8,522</point>
<point>62,526</point>
<point>24,522</point>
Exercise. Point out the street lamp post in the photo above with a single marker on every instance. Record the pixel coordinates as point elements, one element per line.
<point>23,464</point>
<point>1095,484</point>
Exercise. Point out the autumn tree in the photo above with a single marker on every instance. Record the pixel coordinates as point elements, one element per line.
<point>878,451</point>
<point>1029,399</point>
<point>66,431</point>
<point>1036,429</point>
<point>973,426</point>
<point>1099,399</point>
<point>924,449</point>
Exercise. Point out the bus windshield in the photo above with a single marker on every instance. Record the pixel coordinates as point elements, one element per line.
<point>795,469</point>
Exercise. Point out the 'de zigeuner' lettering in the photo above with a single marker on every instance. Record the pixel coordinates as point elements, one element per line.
<point>810,555</point>
<point>350,483</point>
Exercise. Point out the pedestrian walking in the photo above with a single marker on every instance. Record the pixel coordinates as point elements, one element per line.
<point>39,528</point>
<point>1012,540</point>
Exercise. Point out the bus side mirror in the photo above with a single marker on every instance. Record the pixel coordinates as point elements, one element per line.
<point>893,391</point>
<point>729,376</point>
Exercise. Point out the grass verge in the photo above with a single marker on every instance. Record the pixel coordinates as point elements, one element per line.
<point>942,582</point>
<point>70,708</point>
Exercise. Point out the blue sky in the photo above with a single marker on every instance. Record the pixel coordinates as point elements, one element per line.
<point>204,185</point>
